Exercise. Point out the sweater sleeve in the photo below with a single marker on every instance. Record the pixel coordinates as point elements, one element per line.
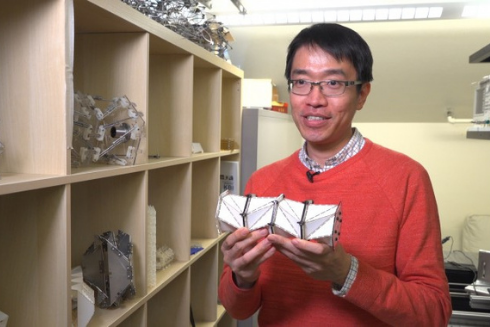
<point>239,303</point>
<point>416,294</point>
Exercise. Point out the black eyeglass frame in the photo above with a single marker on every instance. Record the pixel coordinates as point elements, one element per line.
<point>319,83</point>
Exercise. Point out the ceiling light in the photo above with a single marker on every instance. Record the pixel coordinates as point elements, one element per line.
<point>317,16</point>
<point>355,15</point>
<point>368,14</point>
<point>245,19</point>
<point>293,18</point>
<point>470,11</point>
<point>474,11</point>
<point>281,18</point>
<point>376,13</point>
<point>305,17</point>
<point>381,14</point>
<point>255,19</point>
<point>268,19</point>
<point>485,11</point>
<point>421,12</point>
<point>408,13</point>
<point>330,16</point>
<point>435,12</point>
<point>343,15</point>
<point>395,13</point>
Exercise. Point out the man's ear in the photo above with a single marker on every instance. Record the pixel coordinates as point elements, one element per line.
<point>363,94</point>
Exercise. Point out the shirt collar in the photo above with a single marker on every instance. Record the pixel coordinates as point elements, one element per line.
<point>353,147</point>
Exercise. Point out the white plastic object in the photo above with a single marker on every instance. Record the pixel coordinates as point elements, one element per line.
<point>96,154</point>
<point>3,319</point>
<point>87,132</point>
<point>100,133</point>
<point>85,298</point>
<point>151,245</point>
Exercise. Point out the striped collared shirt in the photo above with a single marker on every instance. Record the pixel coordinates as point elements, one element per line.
<point>353,147</point>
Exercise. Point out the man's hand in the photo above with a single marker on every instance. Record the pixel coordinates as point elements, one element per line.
<point>244,251</point>
<point>316,258</point>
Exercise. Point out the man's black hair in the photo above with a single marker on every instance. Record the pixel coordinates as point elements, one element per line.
<point>339,41</point>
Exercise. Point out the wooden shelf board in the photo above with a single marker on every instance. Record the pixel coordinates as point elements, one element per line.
<point>14,183</point>
<point>206,244</point>
<point>114,316</point>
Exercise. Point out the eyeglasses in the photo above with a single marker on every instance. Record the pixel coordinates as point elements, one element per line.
<point>328,87</point>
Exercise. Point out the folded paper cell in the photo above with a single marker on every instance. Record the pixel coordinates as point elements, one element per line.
<point>303,220</point>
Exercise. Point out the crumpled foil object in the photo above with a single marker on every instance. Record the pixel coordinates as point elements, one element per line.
<point>188,18</point>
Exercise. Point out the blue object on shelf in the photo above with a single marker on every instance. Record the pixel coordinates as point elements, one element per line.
<point>196,249</point>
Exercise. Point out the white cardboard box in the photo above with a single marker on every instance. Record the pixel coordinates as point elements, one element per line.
<point>257,93</point>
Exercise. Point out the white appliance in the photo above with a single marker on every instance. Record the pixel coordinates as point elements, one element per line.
<point>267,136</point>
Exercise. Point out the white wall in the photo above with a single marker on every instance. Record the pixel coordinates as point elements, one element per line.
<point>459,167</point>
<point>420,69</point>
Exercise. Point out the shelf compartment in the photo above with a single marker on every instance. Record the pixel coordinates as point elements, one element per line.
<point>114,65</point>
<point>226,320</point>
<point>111,204</point>
<point>171,306</point>
<point>223,319</point>
<point>231,104</point>
<point>169,191</point>
<point>33,87</point>
<point>136,319</point>
<point>207,108</point>
<point>170,121</point>
<point>205,192</point>
<point>204,288</point>
<point>33,278</point>
<point>166,275</point>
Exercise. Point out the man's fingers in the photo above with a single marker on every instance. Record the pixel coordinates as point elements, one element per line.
<point>255,255</point>
<point>233,238</point>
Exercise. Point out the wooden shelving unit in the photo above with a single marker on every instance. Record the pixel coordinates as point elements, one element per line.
<point>50,212</point>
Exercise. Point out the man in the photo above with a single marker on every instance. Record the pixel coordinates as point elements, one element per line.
<point>387,269</point>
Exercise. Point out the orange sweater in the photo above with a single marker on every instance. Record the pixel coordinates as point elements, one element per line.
<point>390,224</point>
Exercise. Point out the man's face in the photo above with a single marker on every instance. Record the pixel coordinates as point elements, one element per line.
<point>325,121</point>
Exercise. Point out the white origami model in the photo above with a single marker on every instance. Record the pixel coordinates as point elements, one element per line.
<point>303,220</point>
